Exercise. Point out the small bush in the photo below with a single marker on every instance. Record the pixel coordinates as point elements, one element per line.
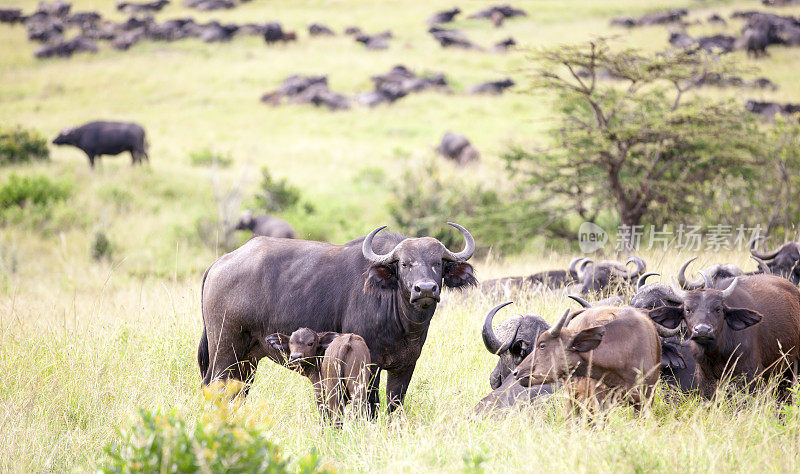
<point>101,246</point>
<point>206,157</point>
<point>218,441</point>
<point>276,195</point>
<point>37,190</point>
<point>18,145</point>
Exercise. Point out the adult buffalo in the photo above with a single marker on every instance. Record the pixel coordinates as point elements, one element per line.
<point>747,327</point>
<point>598,276</point>
<point>278,285</point>
<point>106,138</point>
<point>783,261</point>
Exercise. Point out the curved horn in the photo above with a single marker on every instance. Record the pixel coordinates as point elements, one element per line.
<point>580,301</point>
<point>664,332</point>
<point>689,285</point>
<point>676,288</point>
<point>762,265</point>
<point>641,266</point>
<point>469,246</point>
<point>763,256</point>
<point>369,254</point>
<point>555,330</point>
<point>643,279</point>
<point>490,340</point>
<point>707,281</point>
<point>729,290</point>
<point>574,263</point>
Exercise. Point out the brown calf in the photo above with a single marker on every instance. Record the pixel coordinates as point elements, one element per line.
<point>607,351</point>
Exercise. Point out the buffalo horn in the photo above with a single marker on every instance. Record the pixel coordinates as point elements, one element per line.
<point>490,340</point>
<point>689,285</point>
<point>707,282</point>
<point>369,254</point>
<point>727,292</point>
<point>643,279</point>
<point>641,266</point>
<point>763,256</point>
<point>580,301</point>
<point>762,265</point>
<point>665,332</point>
<point>556,329</point>
<point>676,288</point>
<point>469,246</point>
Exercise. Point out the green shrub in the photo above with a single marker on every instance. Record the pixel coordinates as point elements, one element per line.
<point>37,190</point>
<point>276,195</point>
<point>101,246</point>
<point>215,442</point>
<point>206,157</point>
<point>18,145</point>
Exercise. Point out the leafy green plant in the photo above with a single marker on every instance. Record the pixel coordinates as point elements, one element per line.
<point>218,441</point>
<point>36,190</point>
<point>207,157</point>
<point>19,145</point>
<point>276,195</point>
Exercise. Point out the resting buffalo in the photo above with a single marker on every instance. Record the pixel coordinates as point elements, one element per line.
<point>605,351</point>
<point>445,16</point>
<point>783,261</point>
<point>136,7</point>
<point>598,276</point>
<point>492,87</point>
<point>458,148</point>
<point>511,342</point>
<point>747,327</point>
<point>677,363</point>
<point>106,138</point>
<point>266,226</point>
<point>279,285</point>
<point>552,279</point>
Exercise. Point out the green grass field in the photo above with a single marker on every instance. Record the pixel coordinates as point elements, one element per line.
<point>84,343</point>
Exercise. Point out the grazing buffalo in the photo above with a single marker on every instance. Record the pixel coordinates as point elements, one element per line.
<point>755,41</point>
<point>318,29</point>
<point>511,342</point>
<point>769,109</point>
<point>106,138</point>
<point>138,7</point>
<point>492,87</point>
<point>747,327</point>
<point>266,226</point>
<point>445,16</point>
<point>273,285</point>
<point>10,15</point>
<point>458,148</point>
<point>783,261</point>
<point>505,10</point>
<point>598,276</point>
<point>67,48</point>
<point>448,38</point>
<point>606,351</point>
<point>375,42</point>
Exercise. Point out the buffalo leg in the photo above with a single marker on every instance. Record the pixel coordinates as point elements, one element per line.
<point>232,362</point>
<point>396,387</point>
<point>373,394</point>
<point>135,158</point>
<point>91,160</point>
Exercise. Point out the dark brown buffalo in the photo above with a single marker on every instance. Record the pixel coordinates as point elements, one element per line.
<point>783,261</point>
<point>279,285</point>
<point>106,138</point>
<point>596,277</point>
<point>747,327</point>
<point>606,351</point>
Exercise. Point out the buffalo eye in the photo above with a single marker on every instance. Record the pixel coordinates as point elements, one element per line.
<point>404,265</point>
<point>310,344</point>
<point>542,345</point>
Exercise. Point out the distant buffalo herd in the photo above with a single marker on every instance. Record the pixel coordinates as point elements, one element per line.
<point>372,300</point>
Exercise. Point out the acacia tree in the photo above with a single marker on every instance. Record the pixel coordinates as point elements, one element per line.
<point>632,138</point>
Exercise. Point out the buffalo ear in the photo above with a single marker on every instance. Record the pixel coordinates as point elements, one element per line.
<point>279,342</point>
<point>668,316</point>
<point>520,348</point>
<point>740,318</point>
<point>325,340</point>
<point>670,357</point>
<point>458,274</point>
<point>381,277</point>
<point>588,339</point>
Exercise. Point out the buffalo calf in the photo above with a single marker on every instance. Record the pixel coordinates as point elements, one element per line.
<point>336,364</point>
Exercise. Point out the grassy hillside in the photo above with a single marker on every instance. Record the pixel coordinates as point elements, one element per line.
<point>83,343</point>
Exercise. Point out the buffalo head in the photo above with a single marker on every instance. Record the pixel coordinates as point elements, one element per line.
<point>512,342</point>
<point>597,276</point>
<point>715,272</point>
<point>245,221</point>
<point>302,347</point>
<point>64,137</point>
<point>783,261</point>
<point>417,268</point>
<point>706,313</point>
